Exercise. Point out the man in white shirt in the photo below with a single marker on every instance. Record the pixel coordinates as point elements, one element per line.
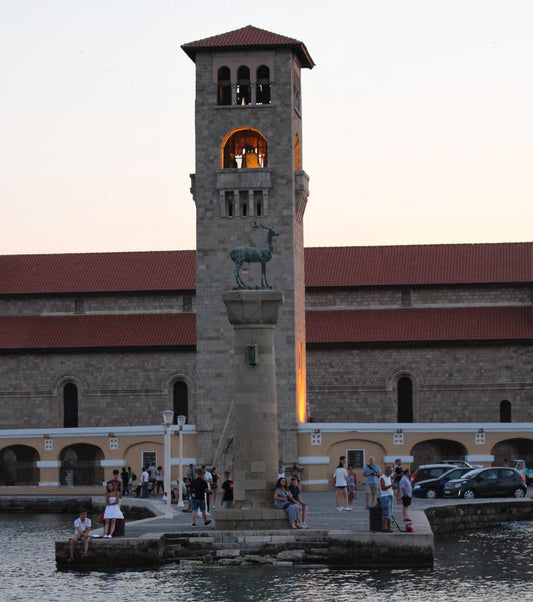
<point>386,487</point>
<point>82,528</point>
<point>145,479</point>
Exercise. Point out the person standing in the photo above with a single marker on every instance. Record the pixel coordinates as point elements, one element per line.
<point>145,479</point>
<point>159,480</point>
<point>112,510</point>
<point>125,477</point>
<point>227,488</point>
<point>339,478</point>
<point>214,486</point>
<point>406,491</point>
<point>209,478</point>
<point>371,472</point>
<point>82,530</point>
<point>386,487</point>
<point>199,488</point>
<point>351,486</point>
<point>398,474</point>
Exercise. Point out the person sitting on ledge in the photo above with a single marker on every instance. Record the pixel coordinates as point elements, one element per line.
<point>82,529</point>
<point>283,500</point>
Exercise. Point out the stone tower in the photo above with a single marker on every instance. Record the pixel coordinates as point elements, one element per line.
<point>248,124</point>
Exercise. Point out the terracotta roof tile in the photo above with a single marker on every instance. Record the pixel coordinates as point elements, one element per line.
<point>418,265</point>
<point>154,271</point>
<point>249,37</point>
<point>419,325</point>
<point>97,272</point>
<point>97,331</point>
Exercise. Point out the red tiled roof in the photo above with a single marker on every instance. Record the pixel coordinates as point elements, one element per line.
<point>418,265</point>
<point>249,37</point>
<point>97,272</point>
<point>420,325</point>
<point>474,324</point>
<point>154,271</point>
<point>97,331</point>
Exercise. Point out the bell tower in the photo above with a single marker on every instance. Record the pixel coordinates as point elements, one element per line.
<point>248,150</point>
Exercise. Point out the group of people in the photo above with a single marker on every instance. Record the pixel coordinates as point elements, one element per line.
<point>112,512</point>
<point>394,481</point>
<point>202,489</point>
<point>288,498</point>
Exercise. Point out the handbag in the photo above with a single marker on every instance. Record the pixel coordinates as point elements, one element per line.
<point>101,517</point>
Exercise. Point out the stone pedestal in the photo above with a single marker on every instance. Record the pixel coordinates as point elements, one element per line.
<point>254,315</point>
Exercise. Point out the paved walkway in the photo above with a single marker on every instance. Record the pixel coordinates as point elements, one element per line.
<point>322,515</point>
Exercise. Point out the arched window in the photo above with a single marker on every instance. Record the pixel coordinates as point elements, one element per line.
<point>262,94</point>
<point>244,90</point>
<point>505,411</point>
<point>405,400</point>
<point>224,86</point>
<point>70,406</point>
<point>244,148</point>
<point>181,400</point>
<point>297,154</point>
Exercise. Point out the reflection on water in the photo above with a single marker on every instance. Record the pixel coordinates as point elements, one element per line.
<point>489,565</point>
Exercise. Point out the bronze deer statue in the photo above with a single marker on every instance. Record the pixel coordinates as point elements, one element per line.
<point>241,255</point>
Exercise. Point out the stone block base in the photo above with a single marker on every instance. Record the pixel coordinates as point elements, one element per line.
<point>251,519</point>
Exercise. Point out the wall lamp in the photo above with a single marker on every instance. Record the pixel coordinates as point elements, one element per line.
<point>252,353</point>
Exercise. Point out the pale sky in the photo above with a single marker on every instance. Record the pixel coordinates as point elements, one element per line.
<point>418,120</point>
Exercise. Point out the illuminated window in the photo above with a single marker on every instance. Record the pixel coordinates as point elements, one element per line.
<point>244,148</point>
<point>224,86</point>
<point>244,90</point>
<point>262,94</point>
<point>297,154</point>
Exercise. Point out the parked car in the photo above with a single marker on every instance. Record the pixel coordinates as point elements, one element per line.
<point>526,472</point>
<point>462,463</point>
<point>429,471</point>
<point>433,488</point>
<point>487,482</point>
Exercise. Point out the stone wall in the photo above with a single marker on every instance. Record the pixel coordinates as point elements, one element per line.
<point>450,383</point>
<point>114,388</point>
<point>478,515</point>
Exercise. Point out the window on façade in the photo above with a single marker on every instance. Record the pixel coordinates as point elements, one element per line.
<point>244,89</point>
<point>224,86</point>
<point>262,86</point>
<point>244,148</point>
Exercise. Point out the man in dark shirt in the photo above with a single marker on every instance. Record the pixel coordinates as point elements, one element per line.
<point>295,492</point>
<point>199,488</point>
<point>227,488</point>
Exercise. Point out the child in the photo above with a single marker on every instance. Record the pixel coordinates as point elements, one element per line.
<point>82,529</point>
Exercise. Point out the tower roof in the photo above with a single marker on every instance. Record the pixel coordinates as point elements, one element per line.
<point>249,37</point>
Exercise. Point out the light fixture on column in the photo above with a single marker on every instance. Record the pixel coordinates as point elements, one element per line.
<point>168,417</point>
<point>252,353</point>
<point>181,423</point>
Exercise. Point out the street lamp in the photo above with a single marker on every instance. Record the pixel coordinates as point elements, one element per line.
<point>181,422</point>
<point>168,417</point>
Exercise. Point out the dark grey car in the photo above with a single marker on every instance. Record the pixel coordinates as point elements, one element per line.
<point>487,482</point>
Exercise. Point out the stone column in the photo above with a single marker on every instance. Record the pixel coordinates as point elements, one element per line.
<point>254,315</point>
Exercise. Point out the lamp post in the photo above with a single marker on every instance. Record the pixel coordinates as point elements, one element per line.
<point>181,422</point>
<point>168,416</point>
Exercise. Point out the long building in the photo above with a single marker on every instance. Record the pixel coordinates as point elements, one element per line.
<point>420,352</point>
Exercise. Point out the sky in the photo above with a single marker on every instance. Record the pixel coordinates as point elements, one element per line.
<point>417,120</point>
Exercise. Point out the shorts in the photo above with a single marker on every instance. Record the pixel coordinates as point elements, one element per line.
<point>77,536</point>
<point>406,500</point>
<point>372,488</point>
<point>340,486</point>
<point>197,505</point>
<point>386,506</point>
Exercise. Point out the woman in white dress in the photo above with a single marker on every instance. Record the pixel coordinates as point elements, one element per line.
<point>112,510</point>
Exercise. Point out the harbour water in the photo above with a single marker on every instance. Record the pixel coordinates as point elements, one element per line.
<point>490,565</point>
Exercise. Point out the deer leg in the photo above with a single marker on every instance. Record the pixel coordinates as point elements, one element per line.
<point>238,279</point>
<point>264,281</point>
